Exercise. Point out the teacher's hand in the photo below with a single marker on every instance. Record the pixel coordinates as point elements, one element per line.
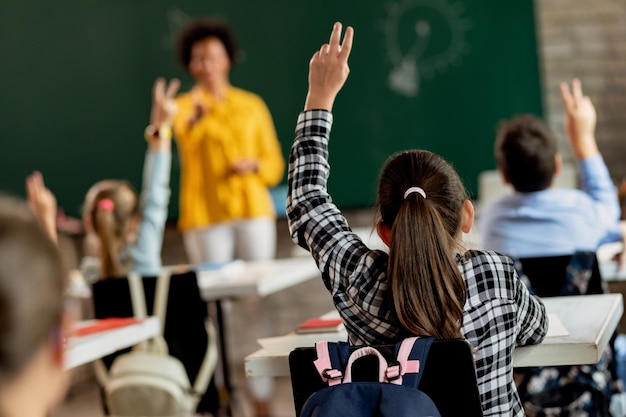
<point>328,70</point>
<point>199,111</point>
<point>244,166</point>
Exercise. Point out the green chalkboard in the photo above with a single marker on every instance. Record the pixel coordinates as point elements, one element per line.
<point>76,75</point>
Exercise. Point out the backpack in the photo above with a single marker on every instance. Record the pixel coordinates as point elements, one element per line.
<point>394,393</point>
<point>147,381</point>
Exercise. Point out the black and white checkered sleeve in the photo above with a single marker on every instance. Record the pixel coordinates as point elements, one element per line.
<point>315,223</point>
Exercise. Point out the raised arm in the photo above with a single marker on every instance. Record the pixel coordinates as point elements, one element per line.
<point>580,120</point>
<point>159,131</point>
<point>155,192</point>
<point>43,204</point>
<point>580,124</point>
<point>308,163</point>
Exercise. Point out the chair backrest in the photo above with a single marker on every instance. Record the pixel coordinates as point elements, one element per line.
<point>449,376</point>
<point>552,276</point>
<point>184,328</point>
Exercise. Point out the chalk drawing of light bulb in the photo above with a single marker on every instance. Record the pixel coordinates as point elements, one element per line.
<point>423,38</point>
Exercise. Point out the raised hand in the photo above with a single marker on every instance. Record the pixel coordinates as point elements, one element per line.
<point>328,70</point>
<point>580,119</point>
<point>43,203</point>
<point>163,104</point>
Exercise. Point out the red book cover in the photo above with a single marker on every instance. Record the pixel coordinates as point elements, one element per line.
<point>104,325</point>
<point>319,325</point>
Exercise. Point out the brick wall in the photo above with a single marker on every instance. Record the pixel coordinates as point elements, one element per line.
<point>587,39</point>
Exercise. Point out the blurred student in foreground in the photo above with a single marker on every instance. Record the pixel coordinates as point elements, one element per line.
<point>33,319</point>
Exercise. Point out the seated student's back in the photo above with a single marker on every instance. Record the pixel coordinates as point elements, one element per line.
<point>538,219</point>
<point>427,284</point>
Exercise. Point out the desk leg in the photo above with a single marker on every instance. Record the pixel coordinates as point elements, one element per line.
<point>226,390</point>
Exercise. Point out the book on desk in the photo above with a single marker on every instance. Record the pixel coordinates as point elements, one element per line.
<point>103,325</point>
<point>320,325</point>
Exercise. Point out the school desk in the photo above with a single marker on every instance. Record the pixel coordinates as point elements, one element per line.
<point>262,278</point>
<point>590,320</point>
<point>614,278</point>
<point>87,348</point>
<point>246,279</point>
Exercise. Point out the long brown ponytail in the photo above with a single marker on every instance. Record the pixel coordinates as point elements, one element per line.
<point>427,290</point>
<point>114,207</point>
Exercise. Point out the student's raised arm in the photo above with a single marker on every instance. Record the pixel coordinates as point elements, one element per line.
<point>155,190</point>
<point>43,204</point>
<point>162,114</point>
<point>595,180</point>
<point>580,120</point>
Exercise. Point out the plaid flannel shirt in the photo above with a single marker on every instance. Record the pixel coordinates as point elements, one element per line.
<point>500,313</point>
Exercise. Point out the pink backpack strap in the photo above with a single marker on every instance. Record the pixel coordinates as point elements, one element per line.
<point>324,366</point>
<point>403,365</point>
<point>365,351</point>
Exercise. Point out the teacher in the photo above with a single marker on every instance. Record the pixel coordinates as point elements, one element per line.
<point>229,155</point>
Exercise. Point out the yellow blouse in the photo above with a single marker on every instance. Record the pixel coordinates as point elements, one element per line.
<point>240,126</point>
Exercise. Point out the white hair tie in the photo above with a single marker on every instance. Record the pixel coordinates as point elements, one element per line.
<point>414,190</point>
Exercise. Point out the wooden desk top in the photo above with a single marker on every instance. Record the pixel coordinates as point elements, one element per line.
<point>590,321</point>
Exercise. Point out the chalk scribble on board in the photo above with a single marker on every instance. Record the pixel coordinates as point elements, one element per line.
<point>423,38</point>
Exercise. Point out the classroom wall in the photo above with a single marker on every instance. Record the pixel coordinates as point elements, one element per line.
<point>587,39</point>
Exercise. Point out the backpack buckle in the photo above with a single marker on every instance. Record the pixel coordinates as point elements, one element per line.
<point>394,371</point>
<point>331,374</point>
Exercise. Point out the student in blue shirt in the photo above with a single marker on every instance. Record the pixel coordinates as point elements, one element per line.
<point>539,220</point>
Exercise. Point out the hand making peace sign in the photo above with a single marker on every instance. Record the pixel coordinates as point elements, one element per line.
<point>328,70</point>
<point>580,119</point>
<point>163,104</point>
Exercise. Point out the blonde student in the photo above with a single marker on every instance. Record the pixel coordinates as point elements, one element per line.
<point>427,283</point>
<point>33,320</point>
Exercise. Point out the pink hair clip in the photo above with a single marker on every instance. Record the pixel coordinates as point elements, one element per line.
<point>106,204</point>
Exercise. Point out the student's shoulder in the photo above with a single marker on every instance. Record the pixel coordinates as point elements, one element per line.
<point>488,276</point>
<point>485,262</point>
<point>568,199</point>
<point>503,202</point>
<point>492,210</point>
